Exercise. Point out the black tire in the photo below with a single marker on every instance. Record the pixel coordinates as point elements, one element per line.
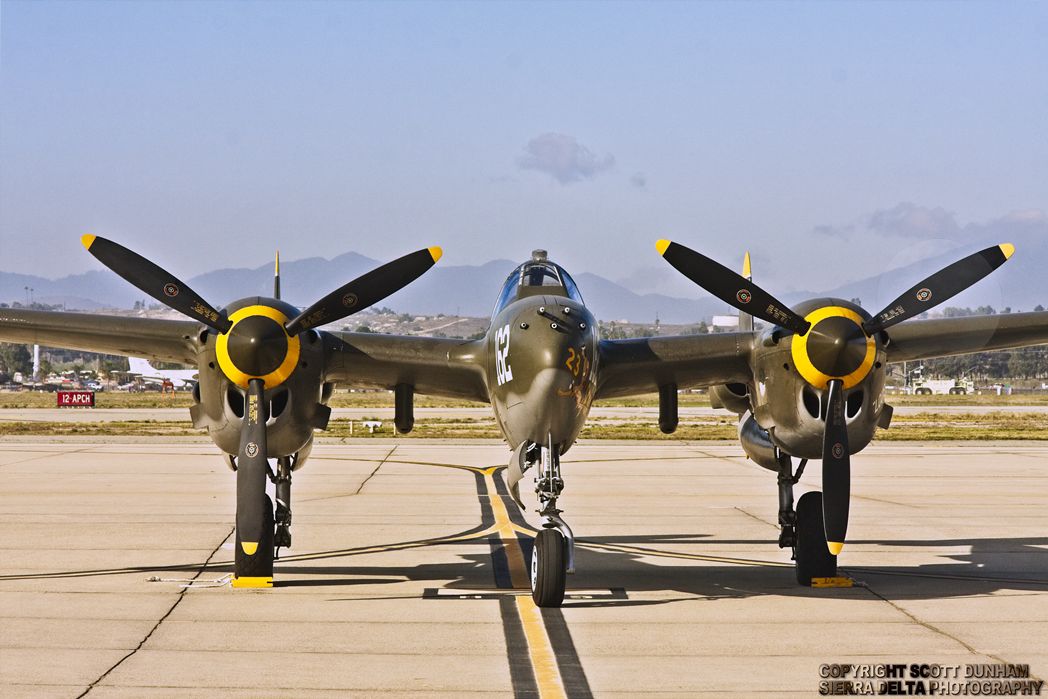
<point>549,567</point>
<point>259,565</point>
<point>814,559</point>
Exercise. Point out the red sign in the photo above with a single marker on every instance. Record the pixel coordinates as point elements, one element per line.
<point>76,399</point>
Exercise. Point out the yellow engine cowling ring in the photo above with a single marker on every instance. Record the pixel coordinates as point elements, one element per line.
<point>238,350</point>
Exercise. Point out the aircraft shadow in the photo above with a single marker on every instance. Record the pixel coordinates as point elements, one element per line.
<point>659,563</point>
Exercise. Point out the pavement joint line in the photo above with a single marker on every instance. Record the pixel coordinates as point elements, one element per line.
<point>380,463</point>
<point>944,576</point>
<point>47,453</point>
<point>759,519</point>
<point>931,627</point>
<point>178,600</point>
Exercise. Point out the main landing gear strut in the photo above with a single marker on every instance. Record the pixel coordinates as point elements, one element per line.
<point>282,481</point>
<point>803,529</point>
<point>553,556</point>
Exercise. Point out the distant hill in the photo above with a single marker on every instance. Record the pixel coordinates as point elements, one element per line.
<point>470,290</point>
<point>1020,285</point>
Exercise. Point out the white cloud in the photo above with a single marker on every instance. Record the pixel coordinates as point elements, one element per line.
<point>563,158</point>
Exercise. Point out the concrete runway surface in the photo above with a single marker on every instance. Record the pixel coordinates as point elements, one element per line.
<point>408,563</point>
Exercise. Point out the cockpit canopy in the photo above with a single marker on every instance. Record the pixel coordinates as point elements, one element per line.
<point>537,277</point>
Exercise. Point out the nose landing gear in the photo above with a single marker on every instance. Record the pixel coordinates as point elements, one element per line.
<point>553,556</point>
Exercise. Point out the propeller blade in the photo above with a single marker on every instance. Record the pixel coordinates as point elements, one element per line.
<point>943,285</point>
<point>252,470</point>
<point>836,469</point>
<point>731,288</point>
<point>155,281</point>
<point>365,290</point>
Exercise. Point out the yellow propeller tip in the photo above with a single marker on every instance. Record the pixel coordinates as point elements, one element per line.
<point>661,246</point>
<point>436,252</point>
<point>746,265</point>
<point>835,547</point>
<point>86,240</point>
<point>249,547</point>
<point>1008,249</point>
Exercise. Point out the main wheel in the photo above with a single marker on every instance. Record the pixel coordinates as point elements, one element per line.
<point>814,559</point>
<point>549,568</point>
<point>258,566</point>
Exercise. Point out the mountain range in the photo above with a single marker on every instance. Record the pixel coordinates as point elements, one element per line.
<point>470,290</point>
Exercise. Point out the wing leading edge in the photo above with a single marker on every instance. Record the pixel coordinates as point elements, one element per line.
<point>641,365</point>
<point>941,337</point>
<point>163,340</point>
<point>447,367</point>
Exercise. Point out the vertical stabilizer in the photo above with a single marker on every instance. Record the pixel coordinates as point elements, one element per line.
<point>276,278</point>
<point>745,319</point>
<point>138,365</point>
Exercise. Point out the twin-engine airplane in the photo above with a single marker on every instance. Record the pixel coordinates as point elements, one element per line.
<point>809,386</point>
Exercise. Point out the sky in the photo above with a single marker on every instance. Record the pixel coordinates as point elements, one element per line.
<point>832,140</point>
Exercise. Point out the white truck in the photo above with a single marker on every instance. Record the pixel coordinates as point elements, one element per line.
<point>953,387</point>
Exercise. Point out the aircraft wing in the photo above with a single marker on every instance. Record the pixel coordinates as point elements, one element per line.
<point>164,340</point>
<point>434,366</point>
<point>940,337</point>
<point>641,365</point>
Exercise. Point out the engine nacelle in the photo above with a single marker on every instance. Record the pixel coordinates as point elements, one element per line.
<point>788,400</point>
<point>733,396</point>
<point>757,444</point>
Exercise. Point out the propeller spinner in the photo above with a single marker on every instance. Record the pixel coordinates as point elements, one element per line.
<point>833,348</point>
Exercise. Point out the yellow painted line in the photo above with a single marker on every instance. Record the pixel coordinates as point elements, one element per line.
<point>543,660</point>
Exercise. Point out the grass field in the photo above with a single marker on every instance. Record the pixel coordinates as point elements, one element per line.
<point>924,426</point>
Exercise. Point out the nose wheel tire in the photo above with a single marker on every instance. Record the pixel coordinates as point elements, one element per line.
<point>253,569</point>
<point>549,565</point>
<point>813,558</point>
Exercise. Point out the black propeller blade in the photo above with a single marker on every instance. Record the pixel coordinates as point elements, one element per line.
<point>155,281</point>
<point>836,469</point>
<point>252,471</point>
<point>943,285</point>
<point>365,290</point>
<point>731,288</point>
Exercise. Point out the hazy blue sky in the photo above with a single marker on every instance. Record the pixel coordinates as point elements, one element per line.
<point>829,138</point>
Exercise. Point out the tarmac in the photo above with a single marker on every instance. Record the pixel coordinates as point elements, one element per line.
<point>408,573</point>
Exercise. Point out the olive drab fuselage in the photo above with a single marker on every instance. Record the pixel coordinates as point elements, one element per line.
<point>541,369</point>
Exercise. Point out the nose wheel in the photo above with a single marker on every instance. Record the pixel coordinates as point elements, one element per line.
<point>553,555</point>
<point>549,568</point>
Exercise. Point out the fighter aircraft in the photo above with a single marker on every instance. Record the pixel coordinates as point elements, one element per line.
<point>808,385</point>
